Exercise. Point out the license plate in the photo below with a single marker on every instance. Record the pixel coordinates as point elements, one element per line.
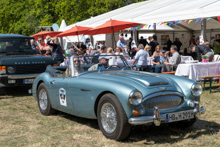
<point>28,81</point>
<point>178,116</point>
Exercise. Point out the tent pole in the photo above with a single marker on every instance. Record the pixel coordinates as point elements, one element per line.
<point>155,29</point>
<point>203,29</point>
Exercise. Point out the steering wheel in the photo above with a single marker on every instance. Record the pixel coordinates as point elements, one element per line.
<point>113,66</point>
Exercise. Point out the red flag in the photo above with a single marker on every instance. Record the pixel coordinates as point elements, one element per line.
<point>161,23</point>
<point>218,18</point>
<point>185,21</point>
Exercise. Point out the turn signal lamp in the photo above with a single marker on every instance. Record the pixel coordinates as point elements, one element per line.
<point>136,112</point>
<point>55,64</point>
<point>2,69</point>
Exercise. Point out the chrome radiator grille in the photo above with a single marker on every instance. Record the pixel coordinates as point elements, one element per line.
<point>163,101</point>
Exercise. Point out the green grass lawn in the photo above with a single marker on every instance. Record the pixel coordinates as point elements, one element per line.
<point>21,124</point>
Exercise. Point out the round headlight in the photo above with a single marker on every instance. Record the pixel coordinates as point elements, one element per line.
<point>135,98</point>
<point>11,69</point>
<point>196,89</point>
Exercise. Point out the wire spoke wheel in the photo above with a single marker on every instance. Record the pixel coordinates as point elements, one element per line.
<point>108,117</point>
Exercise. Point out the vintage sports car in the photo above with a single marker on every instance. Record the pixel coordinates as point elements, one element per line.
<point>104,87</point>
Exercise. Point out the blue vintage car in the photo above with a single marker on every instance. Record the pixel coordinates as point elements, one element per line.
<point>105,88</point>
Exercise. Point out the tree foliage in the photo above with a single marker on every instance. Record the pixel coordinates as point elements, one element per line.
<point>23,16</point>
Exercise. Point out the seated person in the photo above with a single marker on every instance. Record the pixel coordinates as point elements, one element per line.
<point>140,59</point>
<point>76,66</point>
<point>103,64</point>
<point>158,61</point>
<point>176,59</point>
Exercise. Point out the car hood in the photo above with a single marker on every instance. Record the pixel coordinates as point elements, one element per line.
<point>26,59</point>
<point>139,80</point>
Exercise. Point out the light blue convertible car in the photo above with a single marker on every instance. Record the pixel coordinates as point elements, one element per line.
<point>105,88</point>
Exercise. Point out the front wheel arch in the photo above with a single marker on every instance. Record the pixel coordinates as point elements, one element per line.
<point>98,99</point>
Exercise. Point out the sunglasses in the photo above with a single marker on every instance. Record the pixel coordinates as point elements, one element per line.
<point>39,40</point>
<point>76,61</point>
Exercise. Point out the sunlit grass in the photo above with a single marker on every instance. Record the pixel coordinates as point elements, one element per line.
<point>21,124</point>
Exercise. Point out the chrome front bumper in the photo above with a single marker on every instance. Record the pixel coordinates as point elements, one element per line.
<point>157,118</point>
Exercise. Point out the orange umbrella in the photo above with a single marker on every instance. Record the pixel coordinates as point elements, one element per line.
<point>76,30</point>
<point>111,26</point>
<point>45,33</point>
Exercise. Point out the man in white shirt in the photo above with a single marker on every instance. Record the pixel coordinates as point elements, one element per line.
<point>121,42</point>
<point>140,58</point>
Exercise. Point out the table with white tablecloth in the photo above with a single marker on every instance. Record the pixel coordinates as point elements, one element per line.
<point>186,58</point>
<point>194,70</point>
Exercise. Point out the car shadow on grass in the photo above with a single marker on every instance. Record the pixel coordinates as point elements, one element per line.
<point>15,92</point>
<point>171,134</point>
<point>166,133</point>
<point>89,122</point>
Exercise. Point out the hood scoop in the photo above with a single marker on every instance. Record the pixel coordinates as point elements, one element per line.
<point>157,83</point>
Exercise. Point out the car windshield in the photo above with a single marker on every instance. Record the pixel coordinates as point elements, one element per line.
<point>83,64</point>
<point>21,46</point>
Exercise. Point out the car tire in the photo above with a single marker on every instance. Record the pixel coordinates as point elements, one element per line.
<point>112,118</point>
<point>186,123</point>
<point>2,91</point>
<point>44,100</point>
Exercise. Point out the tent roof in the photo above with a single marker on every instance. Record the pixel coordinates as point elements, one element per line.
<point>156,11</point>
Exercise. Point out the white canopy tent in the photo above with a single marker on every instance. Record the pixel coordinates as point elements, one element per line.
<point>157,11</point>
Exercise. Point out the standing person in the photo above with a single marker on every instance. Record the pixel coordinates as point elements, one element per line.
<point>57,52</point>
<point>121,42</point>
<point>216,45</point>
<point>143,41</point>
<point>153,44</point>
<point>88,43</point>
<point>33,46</point>
<point>176,59</point>
<point>178,44</point>
<point>169,43</point>
<point>141,57</point>
<point>202,50</point>
<point>129,44</point>
<point>193,42</point>
<point>133,51</point>
<point>42,45</point>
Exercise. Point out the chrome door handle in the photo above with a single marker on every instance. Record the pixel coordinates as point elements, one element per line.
<point>52,82</point>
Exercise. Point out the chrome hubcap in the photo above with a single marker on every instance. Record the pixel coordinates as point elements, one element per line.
<point>43,99</point>
<point>108,118</point>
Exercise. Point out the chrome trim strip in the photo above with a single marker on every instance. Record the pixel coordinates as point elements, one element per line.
<point>150,119</point>
<point>11,77</point>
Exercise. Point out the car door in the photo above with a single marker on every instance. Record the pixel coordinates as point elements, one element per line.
<point>83,98</point>
<point>60,94</point>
